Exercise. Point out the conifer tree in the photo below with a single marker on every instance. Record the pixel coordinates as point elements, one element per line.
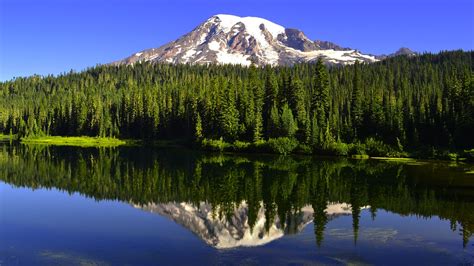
<point>288,124</point>
<point>356,102</point>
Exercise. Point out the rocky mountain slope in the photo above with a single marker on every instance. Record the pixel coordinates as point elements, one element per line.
<point>402,51</point>
<point>228,39</point>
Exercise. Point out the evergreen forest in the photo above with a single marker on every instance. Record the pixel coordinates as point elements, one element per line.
<point>400,104</point>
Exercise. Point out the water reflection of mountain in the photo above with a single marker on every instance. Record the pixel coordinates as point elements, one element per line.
<point>283,185</point>
<point>234,231</point>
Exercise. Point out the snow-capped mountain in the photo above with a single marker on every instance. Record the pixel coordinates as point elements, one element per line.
<point>221,232</point>
<point>228,39</point>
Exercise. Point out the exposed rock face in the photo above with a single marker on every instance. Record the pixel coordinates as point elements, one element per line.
<point>296,39</point>
<point>402,51</point>
<point>221,232</point>
<point>227,39</point>
<point>325,45</point>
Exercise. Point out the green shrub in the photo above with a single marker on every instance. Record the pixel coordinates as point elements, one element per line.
<point>356,149</point>
<point>360,156</point>
<point>214,144</point>
<point>241,146</point>
<point>445,155</point>
<point>375,147</point>
<point>337,148</point>
<point>469,154</point>
<point>303,149</point>
<point>398,154</point>
<point>453,156</point>
<point>282,145</point>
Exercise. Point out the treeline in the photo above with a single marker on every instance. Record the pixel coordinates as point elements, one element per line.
<point>422,101</point>
<point>281,185</point>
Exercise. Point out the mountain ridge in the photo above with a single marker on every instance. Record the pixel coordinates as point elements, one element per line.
<point>229,39</point>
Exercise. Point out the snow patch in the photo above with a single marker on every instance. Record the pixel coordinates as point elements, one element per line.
<point>188,54</point>
<point>252,26</point>
<point>333,56</point>
<point>214,46</point>
<point>234,59</point>
<point>152,57</point>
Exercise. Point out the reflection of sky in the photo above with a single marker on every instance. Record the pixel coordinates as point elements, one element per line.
<point>417,240</point>
<point>51,220</point>
<point>48,225</point>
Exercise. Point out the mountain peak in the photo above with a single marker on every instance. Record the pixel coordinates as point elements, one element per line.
<point>404,51</point>
<point>252,24</point>
<point>229,39</point>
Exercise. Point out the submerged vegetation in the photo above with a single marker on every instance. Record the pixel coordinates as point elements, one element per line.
<point>282,185</point>
<point>422,104</point>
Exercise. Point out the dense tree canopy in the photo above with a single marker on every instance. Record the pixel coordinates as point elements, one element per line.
<point>427,100</point>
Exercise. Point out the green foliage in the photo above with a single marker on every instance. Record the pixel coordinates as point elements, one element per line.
<point>303,149</point>
<point>320,101</point>
<point>229,115</point>
<point>356,101</point>
<point>7,137</point>
<point>198,131</point>
<point>336,148</point>
<point>241,146</point>
<point>453,156</point>
<point>214,144</point>
<point>273,127</point>
<point>73,141</point>
<point>375,147</point>
<point>282,145</point>
<point>469,154</point>
<point>257,128</point>
<point>288,123</point>
<point>357,149</point>
<point>407,102</point>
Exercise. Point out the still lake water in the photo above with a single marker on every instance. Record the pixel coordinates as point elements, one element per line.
<point>143,206</point>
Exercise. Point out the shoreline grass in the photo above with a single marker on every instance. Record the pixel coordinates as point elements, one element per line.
<point>7,137</point>
<point>82,141</point>
<point>262,147</point>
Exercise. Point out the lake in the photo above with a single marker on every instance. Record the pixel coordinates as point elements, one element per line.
<point>147,206</point>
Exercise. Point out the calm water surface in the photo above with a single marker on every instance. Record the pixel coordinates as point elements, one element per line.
<point>143,206</point>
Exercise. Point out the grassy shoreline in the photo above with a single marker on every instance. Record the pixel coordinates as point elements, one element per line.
<point>7,137</point>
<point>82,141</point>
<point>262,147</point>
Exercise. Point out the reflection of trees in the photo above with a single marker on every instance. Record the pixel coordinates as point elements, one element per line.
<point>283,185</point>
<point>319,201</point>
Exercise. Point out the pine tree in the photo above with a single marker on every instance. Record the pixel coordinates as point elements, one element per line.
<point>271,96</point>
<point>320,99</point>
<point>198,128</point>
<point>315,132</point>
<point>257,129</point>
<point>288,124</point>
<point>356,103</point>
<point>273,126</point>
<point>229,115</point>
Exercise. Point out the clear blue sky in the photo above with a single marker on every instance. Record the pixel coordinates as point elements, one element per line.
<point>53,36</point>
